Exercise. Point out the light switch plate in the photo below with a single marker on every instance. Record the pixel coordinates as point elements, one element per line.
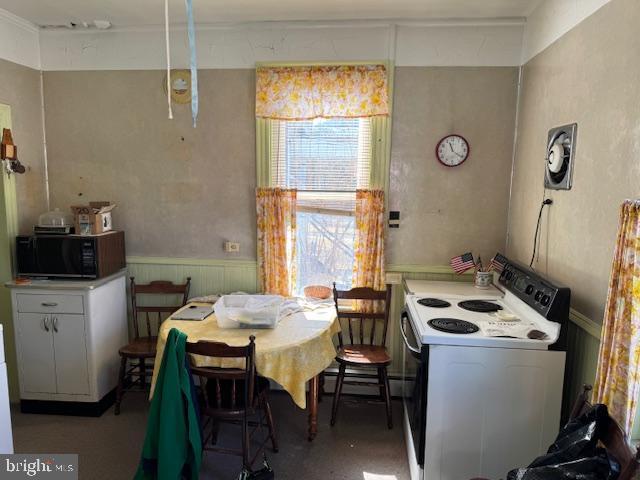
<point>393,278</point>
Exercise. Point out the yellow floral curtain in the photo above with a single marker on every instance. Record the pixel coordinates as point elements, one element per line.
<point>368,268</point>
<point>276,211</point>
<point>618,375</point>
<point>308,92</point>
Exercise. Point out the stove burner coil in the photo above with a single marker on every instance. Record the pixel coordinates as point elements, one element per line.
<point>434,303</point>
<point>453,325</point>
<point>479,306</point>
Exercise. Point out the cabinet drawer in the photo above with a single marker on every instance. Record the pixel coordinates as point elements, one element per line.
<point>49,303</point>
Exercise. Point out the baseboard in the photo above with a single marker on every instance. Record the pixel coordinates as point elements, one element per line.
<point>77,409</point>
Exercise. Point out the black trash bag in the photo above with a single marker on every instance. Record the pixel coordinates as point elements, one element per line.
<point>600,466</point>
<point>575,453</point>
<point>578,438</point>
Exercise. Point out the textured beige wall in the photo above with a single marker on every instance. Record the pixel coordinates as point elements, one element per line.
<point>20,88</point>
<point>446,211</point>
<point>181,192</point>
<point>590,76</point>
<point>109,138</point>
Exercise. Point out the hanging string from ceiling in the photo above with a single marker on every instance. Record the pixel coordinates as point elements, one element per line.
<point>168,47</point>
<point>193,63</point>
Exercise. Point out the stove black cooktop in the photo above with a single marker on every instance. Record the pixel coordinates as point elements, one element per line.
<point>453,325</point>
<point>434,303</point>
<point>479,306</point>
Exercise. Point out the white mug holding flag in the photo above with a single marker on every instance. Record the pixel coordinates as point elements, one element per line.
<point>483,276</point>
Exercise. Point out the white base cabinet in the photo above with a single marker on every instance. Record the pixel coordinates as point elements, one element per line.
<point>67,338</point>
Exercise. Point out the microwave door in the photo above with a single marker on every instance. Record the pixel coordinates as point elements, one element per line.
<point>26,248</point>
<point>48,255</point>
<point>58,256</point>
<point>72,256</point>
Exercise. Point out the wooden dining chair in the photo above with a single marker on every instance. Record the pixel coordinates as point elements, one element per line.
<point>614,440</point>
<point>233,395</point>
<point>143,346</point>
<point>365,349</point>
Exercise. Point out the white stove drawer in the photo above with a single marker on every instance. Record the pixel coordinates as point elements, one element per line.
<point>49,303</point>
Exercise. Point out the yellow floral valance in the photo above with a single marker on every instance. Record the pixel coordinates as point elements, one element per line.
<point>308,92</point>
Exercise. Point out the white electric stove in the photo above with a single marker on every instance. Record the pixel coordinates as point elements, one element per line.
<point>6,438</point>
<point>511,316</point>
<point>482,389</point>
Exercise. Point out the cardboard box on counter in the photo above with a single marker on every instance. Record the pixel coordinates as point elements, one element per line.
<point>93,218</point>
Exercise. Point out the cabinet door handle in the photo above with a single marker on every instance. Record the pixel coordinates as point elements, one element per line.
<point>45,323</point>
<point>55,324</point>
<point>49,304</point>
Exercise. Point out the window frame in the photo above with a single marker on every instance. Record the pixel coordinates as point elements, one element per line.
<point>362,171</point>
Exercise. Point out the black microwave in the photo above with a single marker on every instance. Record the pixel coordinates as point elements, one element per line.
<point>70,256</point>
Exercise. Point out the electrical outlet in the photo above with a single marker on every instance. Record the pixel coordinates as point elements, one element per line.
<point>232,247</point>
<point>393,278</point>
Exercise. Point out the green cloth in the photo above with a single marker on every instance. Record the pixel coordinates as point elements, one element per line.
<point>173,444</point>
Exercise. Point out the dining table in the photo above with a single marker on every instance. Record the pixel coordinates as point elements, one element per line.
<point>293,354</point>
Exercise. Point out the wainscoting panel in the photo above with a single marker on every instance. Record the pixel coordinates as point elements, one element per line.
<point>582,358</point>
<point>207,276</point>
<point>226,276</point>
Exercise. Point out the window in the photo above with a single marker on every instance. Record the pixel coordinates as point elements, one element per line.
<point>326,161</point>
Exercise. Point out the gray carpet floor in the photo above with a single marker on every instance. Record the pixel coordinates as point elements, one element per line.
<point>359,447</point>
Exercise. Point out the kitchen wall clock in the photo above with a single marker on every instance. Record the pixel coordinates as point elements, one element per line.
<point>452,150</point>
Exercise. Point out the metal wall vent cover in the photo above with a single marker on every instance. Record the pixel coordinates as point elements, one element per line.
<point>561,147</point>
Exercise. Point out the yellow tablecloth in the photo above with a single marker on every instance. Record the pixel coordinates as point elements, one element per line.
<point>299,348</point>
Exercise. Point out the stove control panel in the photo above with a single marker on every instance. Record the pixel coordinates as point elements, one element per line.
<point>546,298</point>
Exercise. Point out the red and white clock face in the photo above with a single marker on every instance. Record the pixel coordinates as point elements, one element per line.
<point>452,150</point>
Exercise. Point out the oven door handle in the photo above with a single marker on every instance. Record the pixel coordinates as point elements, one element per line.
<point>403,321</point>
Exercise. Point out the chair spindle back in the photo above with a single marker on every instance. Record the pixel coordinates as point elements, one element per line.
<point>358,320</point>
<point>157,287</point>
<point>245,376</point>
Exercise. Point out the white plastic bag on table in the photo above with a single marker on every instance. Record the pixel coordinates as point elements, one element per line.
<point>248,311</point>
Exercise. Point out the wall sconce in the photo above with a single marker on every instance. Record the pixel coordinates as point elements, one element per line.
<point>9,153</point>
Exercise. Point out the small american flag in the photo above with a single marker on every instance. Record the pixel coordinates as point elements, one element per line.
<point>498,262</point>
<point>462,263</point>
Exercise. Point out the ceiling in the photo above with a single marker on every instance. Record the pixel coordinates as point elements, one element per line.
<point>123,13</point>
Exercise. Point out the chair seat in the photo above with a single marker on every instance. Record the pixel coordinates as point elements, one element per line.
<point>261,386</point>
<point>143,347</point>
<point>363,355</point>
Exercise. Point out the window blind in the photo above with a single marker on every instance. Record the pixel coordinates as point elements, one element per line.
<point>325,160</point>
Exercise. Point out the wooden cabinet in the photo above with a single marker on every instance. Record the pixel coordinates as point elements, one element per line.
<point>67,340</point>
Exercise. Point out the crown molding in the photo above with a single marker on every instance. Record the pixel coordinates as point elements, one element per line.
<point>461,22</point>
<point>305,24</point>
<point>18,21</point>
